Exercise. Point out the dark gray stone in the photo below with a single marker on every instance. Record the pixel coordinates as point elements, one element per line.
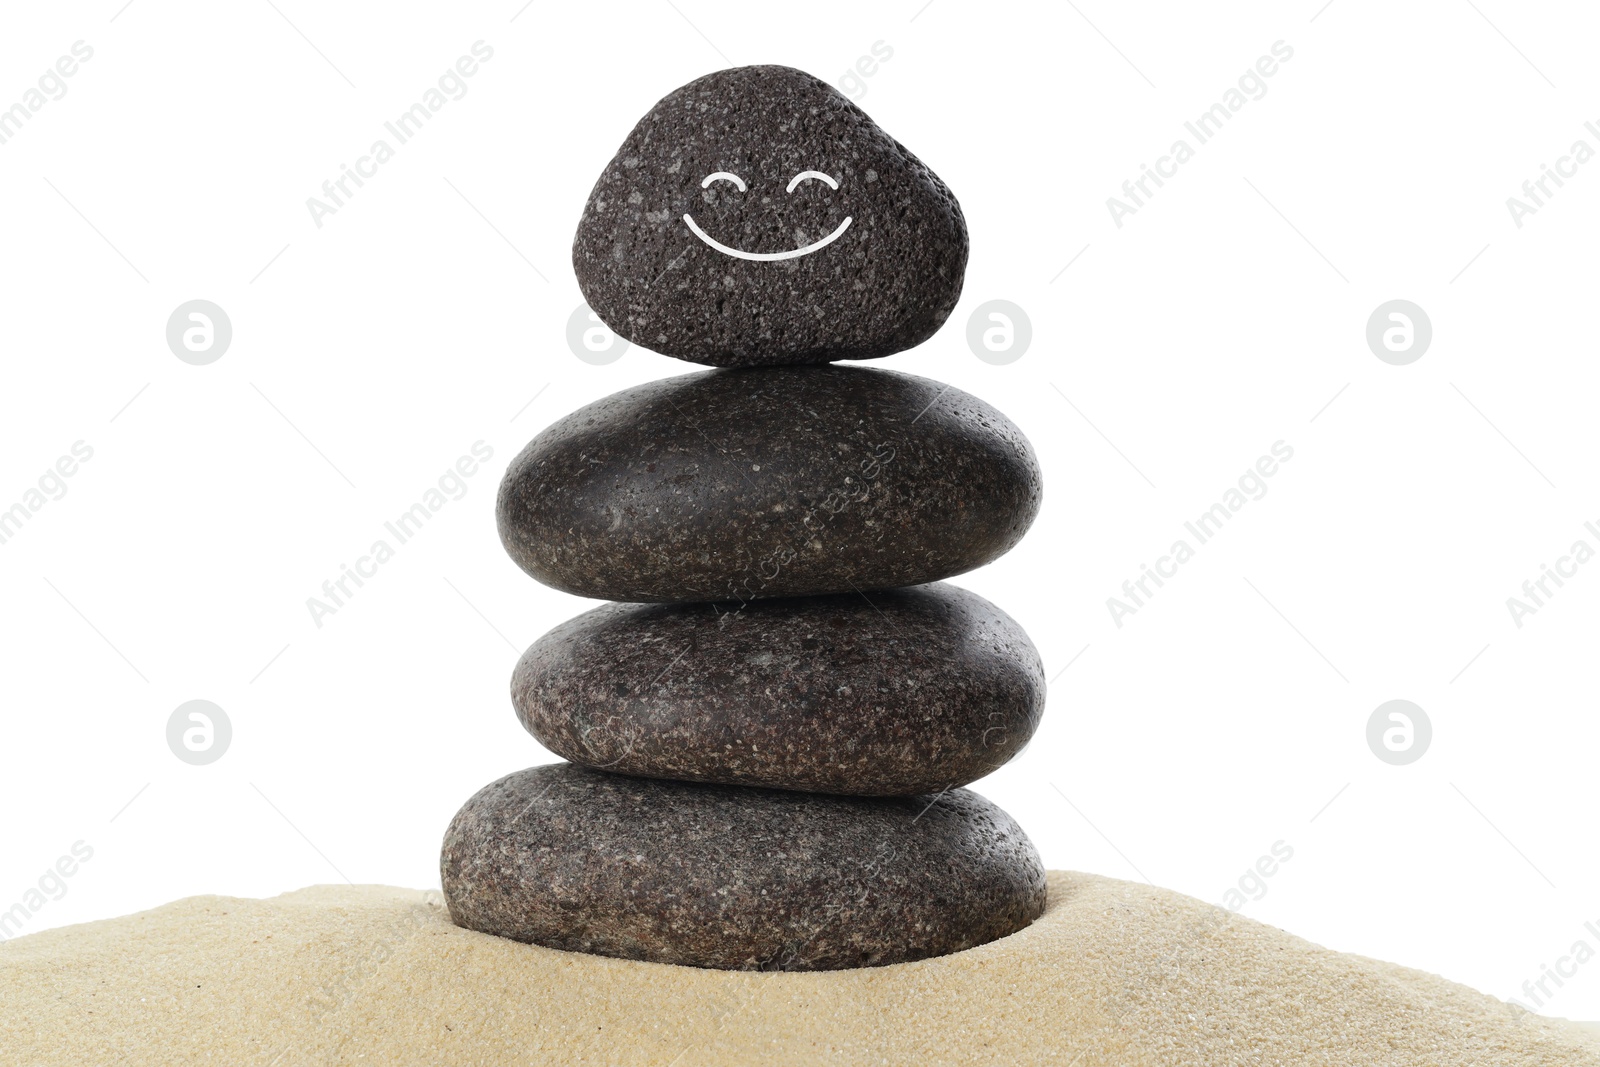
<point>768,482</point>
<point>892,693</point>
<point>735,878</point>
<point>886,283</point>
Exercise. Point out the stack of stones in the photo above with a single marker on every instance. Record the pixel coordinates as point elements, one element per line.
<point>768,732</point>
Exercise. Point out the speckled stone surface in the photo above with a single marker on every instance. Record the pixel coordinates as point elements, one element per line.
<point>891,693</point>
<point>735,878</point>
<point>768,482</point>
<point>883,284</point>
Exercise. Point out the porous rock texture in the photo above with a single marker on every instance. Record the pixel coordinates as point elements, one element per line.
<point>769,482</point>
<point>732,877</point>
<point>891,693</point>
<point>886,282</point>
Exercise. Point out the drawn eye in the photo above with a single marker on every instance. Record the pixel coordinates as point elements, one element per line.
<point>723,176</point>
<point>803,175</point>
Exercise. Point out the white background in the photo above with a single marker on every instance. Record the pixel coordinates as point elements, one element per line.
<point>1222,317</point>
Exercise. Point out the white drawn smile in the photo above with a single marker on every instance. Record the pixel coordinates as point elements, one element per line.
<point>766,257</point>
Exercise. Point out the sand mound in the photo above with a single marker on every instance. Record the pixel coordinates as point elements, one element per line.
<point>1114,973</point>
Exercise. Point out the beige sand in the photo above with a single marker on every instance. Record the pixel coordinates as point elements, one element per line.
<point>1114,973</point>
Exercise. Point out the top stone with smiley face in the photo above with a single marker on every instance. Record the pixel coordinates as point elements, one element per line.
<point>757,217</point>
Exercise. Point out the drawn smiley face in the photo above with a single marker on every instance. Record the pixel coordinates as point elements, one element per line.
<point>766,257</point>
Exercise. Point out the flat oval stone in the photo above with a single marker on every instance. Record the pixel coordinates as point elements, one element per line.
<point>768,482</point>
<point>758,217</point>
<point>895,693</point>
<point>735,878</point>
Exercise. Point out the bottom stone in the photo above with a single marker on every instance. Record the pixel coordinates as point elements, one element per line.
<point>735,877</point>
